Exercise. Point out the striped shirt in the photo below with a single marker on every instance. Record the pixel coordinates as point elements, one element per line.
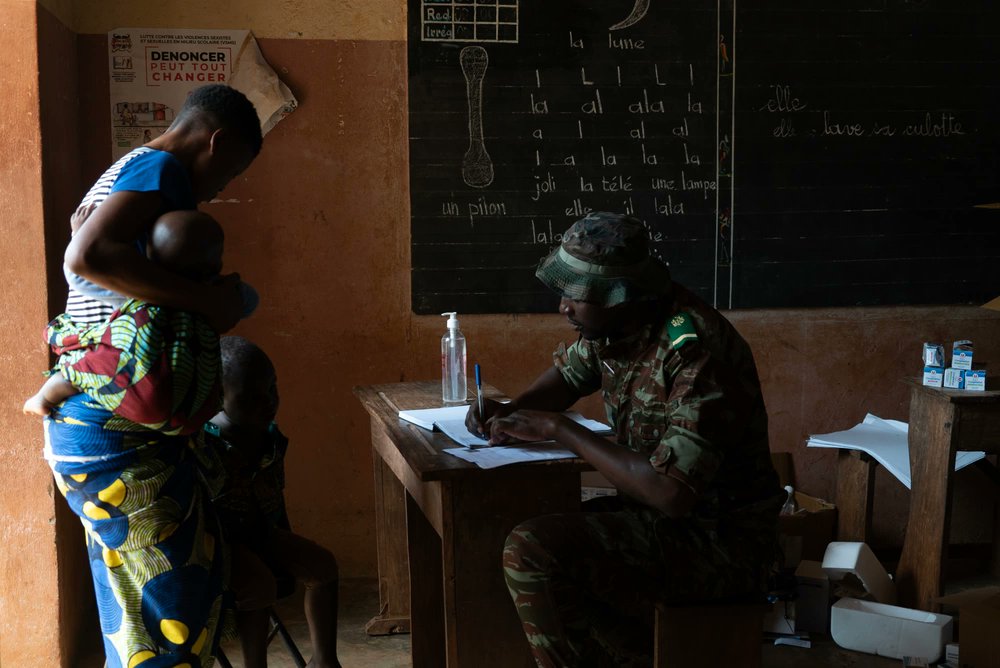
<point>89,304</point>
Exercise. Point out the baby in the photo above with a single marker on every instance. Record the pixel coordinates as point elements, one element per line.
<point>151,365</point>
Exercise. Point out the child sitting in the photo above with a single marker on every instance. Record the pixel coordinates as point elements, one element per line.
<point>251,508</point>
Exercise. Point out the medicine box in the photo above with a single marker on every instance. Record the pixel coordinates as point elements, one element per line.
<point>951,654</point>
<point>933,354</point>
<point>889,630</point>
<point>961,355</point>
<point>933,376</point>
<point>954,378</point>
<point>975,380</point>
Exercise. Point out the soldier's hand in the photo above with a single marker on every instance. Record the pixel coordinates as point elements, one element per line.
<point>477,424</point>
<point>524,425</point>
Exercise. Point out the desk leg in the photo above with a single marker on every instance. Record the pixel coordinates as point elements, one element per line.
<point>481,626</point>
<point>390,533</point>
<point>932,460</point>
<point>427,640</point>
<point>855,494</point>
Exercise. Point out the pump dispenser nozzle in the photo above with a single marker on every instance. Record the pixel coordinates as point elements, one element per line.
<point>452,319</point>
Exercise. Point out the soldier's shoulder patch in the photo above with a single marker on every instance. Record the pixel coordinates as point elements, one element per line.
<point>681,331</point>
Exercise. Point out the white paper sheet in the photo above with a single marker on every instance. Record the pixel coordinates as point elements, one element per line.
<point>478,451</point>
<point>491,458</point>
<point>885,441</point>
<point>429,418</point>
<point>426,417</point>
<point>456,431</point>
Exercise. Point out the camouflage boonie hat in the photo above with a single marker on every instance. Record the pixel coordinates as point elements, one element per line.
<point>604,259</point>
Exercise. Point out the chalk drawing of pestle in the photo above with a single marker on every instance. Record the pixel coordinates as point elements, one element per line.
<point>477,167</point>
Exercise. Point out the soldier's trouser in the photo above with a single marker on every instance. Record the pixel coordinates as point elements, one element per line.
<point>584,583</point>
<point>580,582</point>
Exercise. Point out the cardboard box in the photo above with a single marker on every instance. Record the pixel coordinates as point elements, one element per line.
<point>933,354</point>
<point>806,534</point>
<point>951,655</point>
<point>975,380</point>
<point>812,598</point>
<point>961,354</point>
<point>857,560</point>
<point>978,621</point>
<point>954,379</point>
<point>780,619</point>
<point>888,630</point>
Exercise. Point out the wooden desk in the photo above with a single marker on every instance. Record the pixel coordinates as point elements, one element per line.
<point>942,422</point>
<point>441,523</point>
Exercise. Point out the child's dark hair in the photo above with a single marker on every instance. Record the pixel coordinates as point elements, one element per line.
<point>239,354</point>
<point>228,108</point>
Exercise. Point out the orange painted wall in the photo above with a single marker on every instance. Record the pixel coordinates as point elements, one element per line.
<point>30,572</point>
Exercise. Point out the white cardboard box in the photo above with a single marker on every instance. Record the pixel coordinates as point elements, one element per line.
<point>857,559</point>
<point>888,630</point>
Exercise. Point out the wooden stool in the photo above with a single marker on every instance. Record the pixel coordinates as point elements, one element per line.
<point>285,588</point>
<point>710,633</point>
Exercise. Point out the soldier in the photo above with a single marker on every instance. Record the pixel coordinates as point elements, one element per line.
<point>696,513</point>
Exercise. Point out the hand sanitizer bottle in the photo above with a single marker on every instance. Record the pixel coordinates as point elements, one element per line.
<point>453,382</point>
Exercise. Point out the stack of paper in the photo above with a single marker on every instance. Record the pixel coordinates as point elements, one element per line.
<point>426,417</point>
<point>451,421</point>
<point>885,441</point>
<point>491,458</point>
<point>456,431</point>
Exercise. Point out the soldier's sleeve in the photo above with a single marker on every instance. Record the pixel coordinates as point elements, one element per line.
<point>699,414</point>
<point>579,367</point>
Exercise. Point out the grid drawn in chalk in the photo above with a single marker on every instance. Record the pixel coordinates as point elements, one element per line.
<point>468,21</point>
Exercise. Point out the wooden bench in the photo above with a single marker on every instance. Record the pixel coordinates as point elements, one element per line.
<point>710,633</point>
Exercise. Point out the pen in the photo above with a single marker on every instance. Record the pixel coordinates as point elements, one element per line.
<point>479,393</point>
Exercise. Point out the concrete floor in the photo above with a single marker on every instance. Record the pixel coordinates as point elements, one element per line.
<point>359,602</point>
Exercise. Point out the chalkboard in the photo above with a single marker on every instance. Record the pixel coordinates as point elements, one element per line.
<point>788,153</point>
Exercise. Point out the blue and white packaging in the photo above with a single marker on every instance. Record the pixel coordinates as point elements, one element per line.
<point>975,380</point>
<point>934,354</point>
<point>961,355</point>
<point>933,376</point>
<point>954,379</point>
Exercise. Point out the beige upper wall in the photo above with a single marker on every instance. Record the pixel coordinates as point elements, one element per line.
<point>290,19</point>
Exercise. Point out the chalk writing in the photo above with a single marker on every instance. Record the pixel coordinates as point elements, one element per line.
<point>469,21</point>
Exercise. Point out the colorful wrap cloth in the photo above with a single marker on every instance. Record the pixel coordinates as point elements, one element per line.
<point>149,365</point>
<point>155,549</point>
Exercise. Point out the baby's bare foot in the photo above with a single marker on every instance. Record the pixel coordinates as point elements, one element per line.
<point>36,405</point>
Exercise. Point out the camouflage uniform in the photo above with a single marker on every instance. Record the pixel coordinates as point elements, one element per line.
<point>684,391</point>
